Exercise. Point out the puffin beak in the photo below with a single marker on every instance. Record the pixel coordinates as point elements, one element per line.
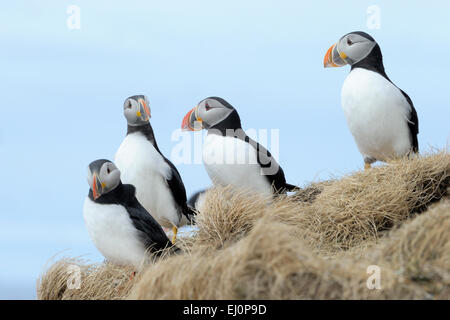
<point>333,58</point>
<point>97,186</point>
<point>189,120</point>
<point>94,187</point>
<point>146,108</point>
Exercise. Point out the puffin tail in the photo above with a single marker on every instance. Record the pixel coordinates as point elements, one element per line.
<point>291,188</point>
<point>190,214</point>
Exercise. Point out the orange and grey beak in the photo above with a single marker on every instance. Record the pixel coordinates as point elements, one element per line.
<point>189,121</point>
<point>97,186</point>
<point>146,108</point>
<point>144,111</point>
<point>95,192</point>
<point>333,58</point>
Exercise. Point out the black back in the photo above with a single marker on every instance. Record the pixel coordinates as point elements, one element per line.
<point>374,62</point>
<point>151,233</point>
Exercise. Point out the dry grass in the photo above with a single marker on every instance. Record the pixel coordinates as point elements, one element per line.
<point>102,281</point>
<point>359,207</point>
<point>256,268</point>
<point>316,244</point>
<point>420,250</point>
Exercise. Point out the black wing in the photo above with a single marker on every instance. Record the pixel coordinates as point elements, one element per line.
<point>413,123</point>
<point>153,235</point>
<point>413,120</point>
<point>270,167</point>
<point>178,190</point>
<point>175,183</point>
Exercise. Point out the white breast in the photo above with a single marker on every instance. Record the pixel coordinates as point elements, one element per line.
<point>113,233</point>
<point>141,165</point>
<point>231,161</point>
<point>377,114</point>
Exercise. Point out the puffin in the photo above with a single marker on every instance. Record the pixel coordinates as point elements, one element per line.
<point>120,227</point>
<point>230,156</point>
<point>380,115</point>
<point>159,187</point>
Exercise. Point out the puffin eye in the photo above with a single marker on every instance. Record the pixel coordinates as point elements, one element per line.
<point>207,107</point>
<point>108,170</point>
<point>349,42</point>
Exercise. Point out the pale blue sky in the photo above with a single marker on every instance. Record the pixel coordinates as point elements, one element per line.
<point>62,92</point>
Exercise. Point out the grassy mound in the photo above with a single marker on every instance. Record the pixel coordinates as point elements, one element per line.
<point>321,243</point>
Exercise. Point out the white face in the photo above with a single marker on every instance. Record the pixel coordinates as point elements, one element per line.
<point>103,177</point>
<point>210,112</point>
<point>352,48</point>
<point>137,110</point>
